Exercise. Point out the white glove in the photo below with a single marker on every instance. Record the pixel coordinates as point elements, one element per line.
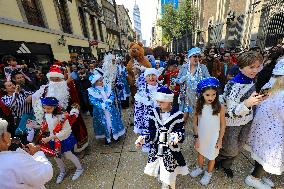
<point>173,138</point>
<point>74,111</point>
<point>31,134</point>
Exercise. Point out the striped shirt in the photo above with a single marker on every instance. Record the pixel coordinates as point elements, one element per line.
<point>18,104</point>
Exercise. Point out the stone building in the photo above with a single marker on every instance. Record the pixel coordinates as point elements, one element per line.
<point>41,30</point>
<point>125,25</point>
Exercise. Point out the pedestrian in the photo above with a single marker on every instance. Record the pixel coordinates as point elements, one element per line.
<point>11,65</point>
<point>145,102</point>
<point>24,168</point>
<point>239,99</point>
<point>208,137</point>
<point>189,75</point>
<point>107,119</point>
<point>166,126</point>
<point>61,139</point>
<point>265,140</point>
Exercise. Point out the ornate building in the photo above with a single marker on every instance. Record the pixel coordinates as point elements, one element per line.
<point>48,29</point>
<point>137,22</point>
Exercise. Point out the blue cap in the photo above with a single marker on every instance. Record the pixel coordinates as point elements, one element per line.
<point>207,82</point>
<point>193,51</point>
<point>49,101</point>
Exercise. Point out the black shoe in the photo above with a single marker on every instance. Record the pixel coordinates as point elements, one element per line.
<point>218,165</point>
<point>229,173</point>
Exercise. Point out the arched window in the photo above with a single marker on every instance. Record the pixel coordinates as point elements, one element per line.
<point>33,13</point>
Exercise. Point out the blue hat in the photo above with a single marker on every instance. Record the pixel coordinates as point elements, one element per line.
<point>164,94</point>
<point>94,78</point>
<point>207,82</point>
<point>193,51</point>
<point>49,101</point>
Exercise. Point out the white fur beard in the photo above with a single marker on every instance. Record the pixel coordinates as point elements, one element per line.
<point>60,91</point>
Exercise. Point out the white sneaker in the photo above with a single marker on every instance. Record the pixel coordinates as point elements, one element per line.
<point>60,177</point>
<point>206,178</point>
<point>77,173</point>
<point>196,172</point>
<point>268,182</point>
<point>256,183</point>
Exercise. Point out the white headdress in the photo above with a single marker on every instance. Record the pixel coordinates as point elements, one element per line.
<point>109,69</point>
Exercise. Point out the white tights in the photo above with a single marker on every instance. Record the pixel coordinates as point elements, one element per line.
<point>68,155</point>
<point>165,186</point>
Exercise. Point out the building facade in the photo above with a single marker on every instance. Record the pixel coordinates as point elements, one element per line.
<point>43,30</point>
<point>137,22</point>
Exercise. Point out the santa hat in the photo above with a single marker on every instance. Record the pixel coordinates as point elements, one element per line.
<point>193,51</point>
<point>55,71</point>
<point>207,82</point>
<point>49,101</point>
<point>279,68</point>
<point>164,94</point>
<point>94,78</point>
<point>149,71</point>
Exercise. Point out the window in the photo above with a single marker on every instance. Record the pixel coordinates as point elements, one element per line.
<point>93,26</point>
<point>101,31</point>
<point>63,16</point>
<point>83,22</point>
<point>33,13</point>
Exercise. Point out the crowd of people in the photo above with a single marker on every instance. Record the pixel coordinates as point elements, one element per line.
<point>233,99</point>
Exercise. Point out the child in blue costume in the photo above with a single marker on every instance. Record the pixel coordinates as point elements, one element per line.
<point>107,119</point>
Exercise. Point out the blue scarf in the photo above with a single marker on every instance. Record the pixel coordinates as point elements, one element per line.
<point>242,79</point>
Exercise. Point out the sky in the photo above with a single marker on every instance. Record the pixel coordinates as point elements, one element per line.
<point>147,14</point>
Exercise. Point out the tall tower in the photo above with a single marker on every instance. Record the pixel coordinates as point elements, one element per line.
<point>137,21</point>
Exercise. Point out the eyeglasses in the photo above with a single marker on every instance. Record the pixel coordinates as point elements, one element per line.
<point>196,56</point>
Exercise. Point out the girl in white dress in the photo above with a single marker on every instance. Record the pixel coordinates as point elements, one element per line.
<point>208,126</point>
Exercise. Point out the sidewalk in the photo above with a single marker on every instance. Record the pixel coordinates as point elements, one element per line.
<point>120,166</point>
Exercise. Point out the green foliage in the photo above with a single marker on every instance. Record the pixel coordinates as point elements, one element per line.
<point>176,22</point>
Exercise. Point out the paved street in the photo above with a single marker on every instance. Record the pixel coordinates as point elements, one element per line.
<point>120,166</point>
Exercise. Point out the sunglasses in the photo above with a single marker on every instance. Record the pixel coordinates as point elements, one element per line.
<point>196,56</point>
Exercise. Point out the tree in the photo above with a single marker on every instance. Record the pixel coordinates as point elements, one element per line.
<point>178,22</point>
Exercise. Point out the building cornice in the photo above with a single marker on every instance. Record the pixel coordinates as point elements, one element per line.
<point>16,23</point>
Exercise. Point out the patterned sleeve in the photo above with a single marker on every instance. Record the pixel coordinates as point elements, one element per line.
<point>235,108</point>
<point>150,133</point>
<point>178,128</point>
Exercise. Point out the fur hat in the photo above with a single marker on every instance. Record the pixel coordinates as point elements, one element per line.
<point>94,78</point>
<point>164,94</point>
<point>149,71</point>
<point>55,71</point>
<point>193,51</point>
<point>207,82</point>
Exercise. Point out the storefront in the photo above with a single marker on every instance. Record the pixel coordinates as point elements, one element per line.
<point>32,54</point>
<point>77,51</point>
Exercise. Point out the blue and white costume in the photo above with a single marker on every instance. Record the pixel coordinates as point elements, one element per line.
<point>122,86</point>
<point>107,119</point>
<point>189,81</point>
<point>144,103</point>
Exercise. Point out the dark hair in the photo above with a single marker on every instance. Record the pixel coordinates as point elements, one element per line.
<point>248,58</point>
<point>8,58</point>
<point>15,72</point>
<point>216,105</point>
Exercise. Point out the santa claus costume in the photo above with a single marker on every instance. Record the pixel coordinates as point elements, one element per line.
<point>66,94</point>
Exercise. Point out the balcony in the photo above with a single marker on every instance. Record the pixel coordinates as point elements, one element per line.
<point>92,7</point>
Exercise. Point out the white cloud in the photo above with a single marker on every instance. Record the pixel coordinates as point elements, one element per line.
<point>147,14</point>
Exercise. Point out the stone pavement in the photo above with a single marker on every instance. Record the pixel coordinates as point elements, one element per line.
<point>120,166</point>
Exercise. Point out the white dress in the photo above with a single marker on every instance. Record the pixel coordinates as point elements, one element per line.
<point>208,132</point>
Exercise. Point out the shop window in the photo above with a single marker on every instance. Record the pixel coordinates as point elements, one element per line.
<point>93,26</point>
<point>63,16</point>
<point>83,22</point>
<point>33,13</point>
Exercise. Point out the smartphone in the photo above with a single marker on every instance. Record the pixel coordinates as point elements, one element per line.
<point>263,92</point>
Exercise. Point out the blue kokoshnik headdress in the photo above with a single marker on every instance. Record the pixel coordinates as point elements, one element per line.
<point>207,82</point>
<point>49,101</point>
<point>193,51</point>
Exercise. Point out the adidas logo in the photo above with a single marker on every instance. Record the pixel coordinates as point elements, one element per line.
<point>23,49</point>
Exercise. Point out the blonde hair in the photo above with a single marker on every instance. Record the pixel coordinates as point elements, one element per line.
<point>3,126</point>
<point>278,85</point>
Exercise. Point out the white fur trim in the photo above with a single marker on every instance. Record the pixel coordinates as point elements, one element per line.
<point>163,97</point>
<point>149,71</point>
<point>54,74</point>
<point>141,99</point>
<point>74,111</point>
<point>96,78</point>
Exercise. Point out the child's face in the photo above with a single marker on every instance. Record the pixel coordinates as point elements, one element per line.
<point>12,63</point>
<point>252,70</point>
<point>165,106</point>
<point>99,83</point>
<point>151,79</point>
<point>209,96</point>
<point>48,109</point>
